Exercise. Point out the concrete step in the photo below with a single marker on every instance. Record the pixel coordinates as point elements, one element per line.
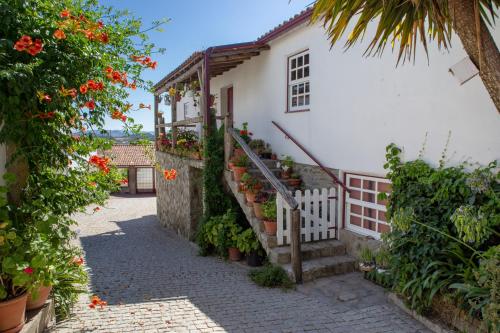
<point>322,267</point>
<point>311,250</point>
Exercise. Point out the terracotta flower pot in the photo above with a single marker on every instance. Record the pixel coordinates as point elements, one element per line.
<point>12,315</point>
<point>294,182</point>
<point>234,254</point>
<point>270,227</point>
<point>257,209</point>
<point>250,195</point>
<point>274,157</point>
<point>285,175</point>
<point>238,172</point>
<point>43,295</point>
<point>238,152</point>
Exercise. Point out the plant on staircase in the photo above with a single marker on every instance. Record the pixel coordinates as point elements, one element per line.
<point>260,199</point>
<point>249,245</point>
<point>286,165</point>
<point>240,166</point>
<point>294,180</point>
<point>252,186</point>
<point>269,212</point>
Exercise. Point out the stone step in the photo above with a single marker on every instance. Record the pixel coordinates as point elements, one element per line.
<point>271,164</point>
<point>258,174</point>
<point>322,267</point>
<point>310,250</point>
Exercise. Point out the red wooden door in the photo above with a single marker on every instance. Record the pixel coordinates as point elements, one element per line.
<point>230,103</point>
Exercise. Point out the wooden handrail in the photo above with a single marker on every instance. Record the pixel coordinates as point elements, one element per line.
<point>278,186</point>
<point>327,171</point>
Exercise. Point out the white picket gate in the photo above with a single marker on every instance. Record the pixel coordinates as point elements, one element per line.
<point>318,215</point>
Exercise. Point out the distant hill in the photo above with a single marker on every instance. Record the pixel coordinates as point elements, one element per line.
<point>120,137</point>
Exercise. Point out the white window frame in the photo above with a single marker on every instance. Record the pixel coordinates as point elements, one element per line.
<point>293,71</point>
<point>364,204</point>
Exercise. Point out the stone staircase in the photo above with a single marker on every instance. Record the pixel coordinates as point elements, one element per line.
<point>319,259</point>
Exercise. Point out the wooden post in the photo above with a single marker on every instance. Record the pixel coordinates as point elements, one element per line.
<point>174,119</point>
<point>157,130</point>
<point>295,246</point>
<point>200,72</point>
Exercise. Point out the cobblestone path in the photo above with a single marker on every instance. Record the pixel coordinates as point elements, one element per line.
<point>154,281</point>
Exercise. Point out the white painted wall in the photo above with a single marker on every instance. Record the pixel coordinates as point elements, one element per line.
<point>359,105</point>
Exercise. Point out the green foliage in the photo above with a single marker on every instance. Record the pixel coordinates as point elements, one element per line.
<point>247,242</point>
<point>52,134</point>
<point>271,276</point>
<point>241,161</point>
<point>444,220</point>
<point>269,210</point>
<point>216,201</point>
<point>250,183</point>
<point>367,255</point>
<point>220,232</point>
<point>287,162</point>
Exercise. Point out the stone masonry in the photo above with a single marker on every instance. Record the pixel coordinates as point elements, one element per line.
<point>180,202</point>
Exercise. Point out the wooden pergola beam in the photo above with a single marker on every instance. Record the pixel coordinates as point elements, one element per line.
<point>188,74</point>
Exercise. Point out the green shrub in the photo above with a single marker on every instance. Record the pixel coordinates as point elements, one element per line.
<point>271,276</point>
<point>247,242</point>
<point>269,209</point>
<point>219,233</point>
<point>444,220</point>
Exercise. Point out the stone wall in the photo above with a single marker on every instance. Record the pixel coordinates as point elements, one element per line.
<point>180,201</point>
<point>313,177</point>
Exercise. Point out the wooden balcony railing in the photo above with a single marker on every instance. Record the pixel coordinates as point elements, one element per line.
<point>287,197</point>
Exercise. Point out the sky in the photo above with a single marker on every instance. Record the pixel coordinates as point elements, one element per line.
<point>195,25</point>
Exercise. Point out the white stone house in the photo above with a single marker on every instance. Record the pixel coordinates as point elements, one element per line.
<point>345,108</point>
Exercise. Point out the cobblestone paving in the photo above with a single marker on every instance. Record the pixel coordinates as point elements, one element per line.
<point>154,282</point>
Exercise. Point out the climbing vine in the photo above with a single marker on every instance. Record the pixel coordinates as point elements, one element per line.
<point>65,66</point>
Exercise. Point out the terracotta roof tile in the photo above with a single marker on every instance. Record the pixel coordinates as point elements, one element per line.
<point>129,155</point>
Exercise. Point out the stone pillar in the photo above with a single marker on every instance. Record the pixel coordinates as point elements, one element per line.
<point>132,180</point>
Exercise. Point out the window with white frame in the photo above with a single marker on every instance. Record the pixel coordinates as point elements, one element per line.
<point>299,95</point>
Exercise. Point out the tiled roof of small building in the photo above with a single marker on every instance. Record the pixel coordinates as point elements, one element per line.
<point>130,155</point>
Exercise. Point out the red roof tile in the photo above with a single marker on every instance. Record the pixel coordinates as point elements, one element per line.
<point>130,155</point>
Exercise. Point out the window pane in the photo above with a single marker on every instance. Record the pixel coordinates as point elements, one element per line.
<point>306,59</point>
<point>299,73</point>
<point>294,63</point>
<point>301,88</point>
<point>294,101</point>
<point>294,90</point>
<point>301,100</point>
<point>306,71</point>
<point>306,100</point>
<point>294,75</point>
<point>299,61</point>
<point>307,87</point>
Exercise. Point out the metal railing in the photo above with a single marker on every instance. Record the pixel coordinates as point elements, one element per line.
<point>287,197</point>
<point>326,170</point>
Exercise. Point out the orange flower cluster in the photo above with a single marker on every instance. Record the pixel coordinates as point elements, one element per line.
<point>96,209</point>
<point>77,261</point>
<point>82,25</point>
<point>26,44</point>
<point>124,181</point>
<point>116,76</point>
<point>90,104</point>
<point>68,92</point>
<point>144,106</point>
<point>47,115</point>
<point>97,301</point>
<point>100,162</point>
<point>118,115</point>
<point>170,174</point>
<point>59,34</point>
<point>91,85</point>
<point>43,97</point>
<point>145,61</point>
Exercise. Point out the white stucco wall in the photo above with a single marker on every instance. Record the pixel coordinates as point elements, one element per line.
<point>359,105</point>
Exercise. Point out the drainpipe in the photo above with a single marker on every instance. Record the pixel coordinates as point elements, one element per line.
<point>206,88</point>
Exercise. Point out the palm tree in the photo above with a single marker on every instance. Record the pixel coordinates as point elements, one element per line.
<point>405,22</point>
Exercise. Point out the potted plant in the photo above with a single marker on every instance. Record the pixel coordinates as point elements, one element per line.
<point>250,246</point>
<point>260,198</point>
<point>294,180</point>
<point>240,167</point>
<point>367,263</point>
<point>258,146</point>
<point>267,152</point>
<point>269,212</point>
<point>252,186</point>
<point>274,157</point>
<point>286,167</point>
<point>233,234</point>
<point>15,276</point>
